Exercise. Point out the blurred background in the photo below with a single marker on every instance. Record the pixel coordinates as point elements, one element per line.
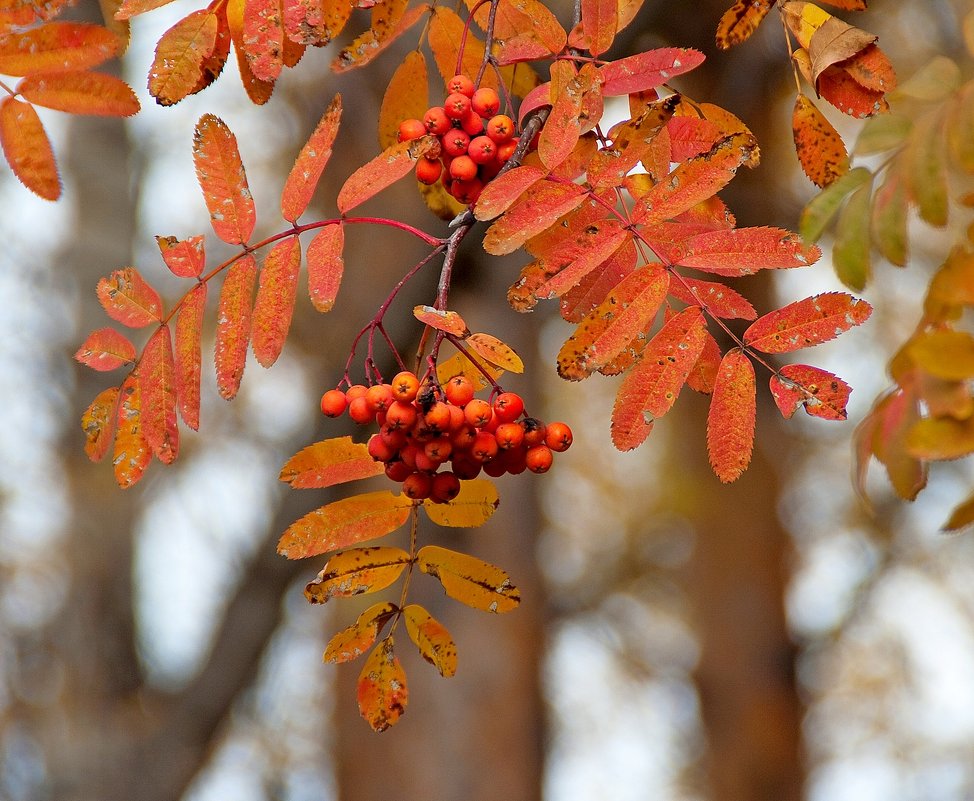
<point>678,640</point>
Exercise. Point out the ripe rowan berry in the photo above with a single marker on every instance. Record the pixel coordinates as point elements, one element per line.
<point>482,149</point>
<point>438,449</point>
<point>485,101</point>
<point>509,435</point>
<point>456,105</point>
<point>508,406</point>
<point>428,171</point>
<point>466,192</point>
<point>408,455</point>
<point>411,129</point>
<point>465,467</point>
<point>436,121</point>
<point>405,386</point>
<point>401,416</point>
<point>472,123</point>
<point>417,486</point>
<point>379,450</point>
<point>463,437</point>
<point>395,438</point>
<point>463,168</point>
<point>379,397</point>
<point>461,84</point>
<point>438,416</point>
<point>500,128</point>
<point>478,413</point>
<point>424,464</point>
<point>455,142</point>
<point>558,437</point>
<point>360,411</point>
<point>484,446</point>
<point>398,471</point>
<point>514,460</point>
<point>505,150</point>
<point>459,390</point>
<point>456,418</point>
<point>495,467</point>
<point>355,391</point>
<point>538,459</point>
<point>446,487</point>
<point>334,403</point>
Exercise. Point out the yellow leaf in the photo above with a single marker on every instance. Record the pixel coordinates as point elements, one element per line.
<point>432,639</point>
<point>470,580</point>
<point>351,642</point>
<point>496,352</point>
<point>474,506</point>
<point>382,692</point>
<point>356,572</point>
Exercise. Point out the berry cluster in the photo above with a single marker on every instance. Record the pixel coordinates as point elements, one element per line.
<point>423,427</point>
<point>475,140</point>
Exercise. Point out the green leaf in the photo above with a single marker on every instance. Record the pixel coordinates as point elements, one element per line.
<point>850,253</point>
<point>824,206</point>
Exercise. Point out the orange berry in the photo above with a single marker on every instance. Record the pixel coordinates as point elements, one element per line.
<point>456,105</point>
<point>405,386</point>
<point>457,420</point>
<point>380,450</point>
<point>558,437</point>
<point>428,171</point>
<point>455,142</point>
<point>438,449</point>
<point>411,129</point>
<point>463,437</point>
<point>478,413</point>
<point>500,128</point>
<point>355,391</point>
<point>417,486</point>
<point>459,390</point>
<point>484,446</point>
<point>482,149</point>
<point>463,168</point>
<point>467,192</point>
<point>506,149</point>
<point>401,416</point>
<point>446,487</point>
<point>438,416</point>
<point>424,464</point>
<point>460,84</point>
<point>395,438</point>
<point>360,411</point>
<point>508,406</point>
<point>436,121</point>
<point>334,403</point>
<point>509,435</point>
<point>379,397</point>
<point>534,431</point>
<point>485,102</point>
<point>472,123</point>
<point>539,458</point>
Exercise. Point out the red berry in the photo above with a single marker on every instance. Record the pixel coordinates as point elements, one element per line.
<point>463,168</point>
<point>401,416</point>
<point>411,129</point>
<point>495,468</point>
<point>395,438</point>
<point>334,403</point>
<point>463,437</point>
<point>467,192</point>
<point>514,460</point>
<point>379,450</point>
<point>446,487</point>
<point>485,446</point>
<point>509,435</point>
<point>485,102</point>
<point>457,420</point>
<point>438,449</point>
<point>508,406</point>
<point>405,386</point>
<point>424,464</point>
<point>558,437</point>
<point>459,390</point>
<point>436,121</point>
<point>500,128</point>
<point>506,149</point>
<point>360,411</point>
<point>461,84</point>
<point>398,471</point>
<point>539,459</point>
<point>534,431</point>
<point>455,142</point>
<point>417,486</point>
<point>465,467</point>
<point>472,123</point>
<point>379,397</point>
<point>456,105</point>
<point>482,149</point>
<point>428,171</point>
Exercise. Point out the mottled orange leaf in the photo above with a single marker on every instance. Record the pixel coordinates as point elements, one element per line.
<point>650,389</point>
<point>740,21</point>
<point>98,422</point>
<point>730,422</point>
<point>233,325</point>
<point>432,639</point>
<point>561,276</point>
<point>718,299</point>
<point>132,452</point>
<point>531,215</point>
<point>382,693</point>
<point>157,386</point>
<point>469,580</point>
<point>599,19</point>
<point>631,141</point>
<point>274,305</point>
<point>27,148</point>
<point>188,354</point>
<point>353,641</point>
<point>257,90</point>
<point>703,376</point>
<point>743,251</point>
<point>56,46</point>
<point>129,299</point>
<point>316,22</point>
<point>384,170</point>
<point>448,321</point>
<point>820,149</point>
<point>356,572</point>
<point>501,193</point>
<point>310,163</point>
<point>495,352</point>
<point>185,258</point>
<point>807,322</point>
<point>178,64</point>
<point>474,506</point>
<point>871,69</point>
<point>627,312</point>
<point>446,32</point>
<point>325,266</point>
<point>79,92</point>
<point>847,5</point>
<point>263,38</point>
<point>648,70</point>
<point>343,523</point>
<point>330,462</point>
<point>223,180</point>
<point>591,290</point>
<point>406,97</point>
<point>132,8</point>
<point>106,349</point>
<point>564,126</point>
<point>822,393</point>
<point>462,364</point>
<point>390,20</point>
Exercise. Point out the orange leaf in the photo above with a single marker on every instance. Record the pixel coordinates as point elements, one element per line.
<point>469,580</point>
<point>446,32</point>
<point>188,355</point>
<point>807,322</point>
<point>310,163</point>
<point>823,394</point>
<point>353,641</point>
<point>56,46</point>
<point>531,215</point>
<point>263,38</point>
<point>384,170</point>
<point>132,8</point>
<point>563,127</point>
<point>599,24</point>
<point>357,572</point>
<point>501,193</point>
<point>325,266</point>
<point>276,294</point>
<point>390,20</point>
<point>157,386</point>
<point>740,21</point>
<point>461,364</point>
<point>99,422</point>
<point>330,462</point>
<point>730,422</point>
<point>591,290</point>
<point>498,353</point>
<point>315,22</point>
<point>27,148</point>
<point>233,325</point>
<point>184,258</point>
<point>719,300</point>
<point>382,693</point>
<point>128,299</point>
<point>178,64</point>
<point>820,149</point>
<point>343,523</point>
<point>703,376</point>
<point>406,97</point>
<point>223,180</point>
<point>743,251</point>
<point>257,90</point>
<point>631,141</point>
<point>871,69</point>
<point>432,639</point>
<point>448,321</point>
<point>626,313</point>
<point>652,386</point>
<point>78,92</point>
<point>837,86</point>
<point>106,349</point>
<point>604,242</point>
<point>648,70</point>
<point>132,453</point>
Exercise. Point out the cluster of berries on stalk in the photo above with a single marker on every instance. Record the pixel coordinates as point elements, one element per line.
<point>424,428</point>
<point>475,140</point>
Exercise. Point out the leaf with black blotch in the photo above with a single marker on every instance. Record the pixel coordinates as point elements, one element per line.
<point>821,151</point>
<point>353,641</point>
<point>432,639</point>
<point>822,393</point>
<point>740,21</point>
<point>357,571</point>
<point>469,580</point>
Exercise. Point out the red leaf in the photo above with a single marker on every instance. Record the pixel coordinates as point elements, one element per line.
<point>263,38</point>
<point>743,251</point>
<point>719,300</point>
<point>381,692</point>
<point>599,20</point>
<point>807,322</point>
<point>233,325</point>
<point>128,299</point>
<point>184,258</point>
<point>188,354</point>
<point>652,386</point>
<point>106,349</point>
<point>691,136</point>
<point>79,92</point>
<point>275,300</point>
<point>223,180</point>
<point>178,64</point>
<point>730,422</point>
<point>703,376</point>
<point>501,193</point>
<point>647,70</point>
<point>384,170</point>
<point>531,215</point>
<point>132,453</point>
<point>609,238</point>
<point>592,288</point>
<point>98,422</point>
<point>325,266</point>
<point>56,46</point>
<point>631,141</point>
<point>156,376</point>
<point>562,128</point>
<point>310,163</point>
<point>315,22</point>
<point>330,462</point>
<point>824,394</point>
<point>27,148</point>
